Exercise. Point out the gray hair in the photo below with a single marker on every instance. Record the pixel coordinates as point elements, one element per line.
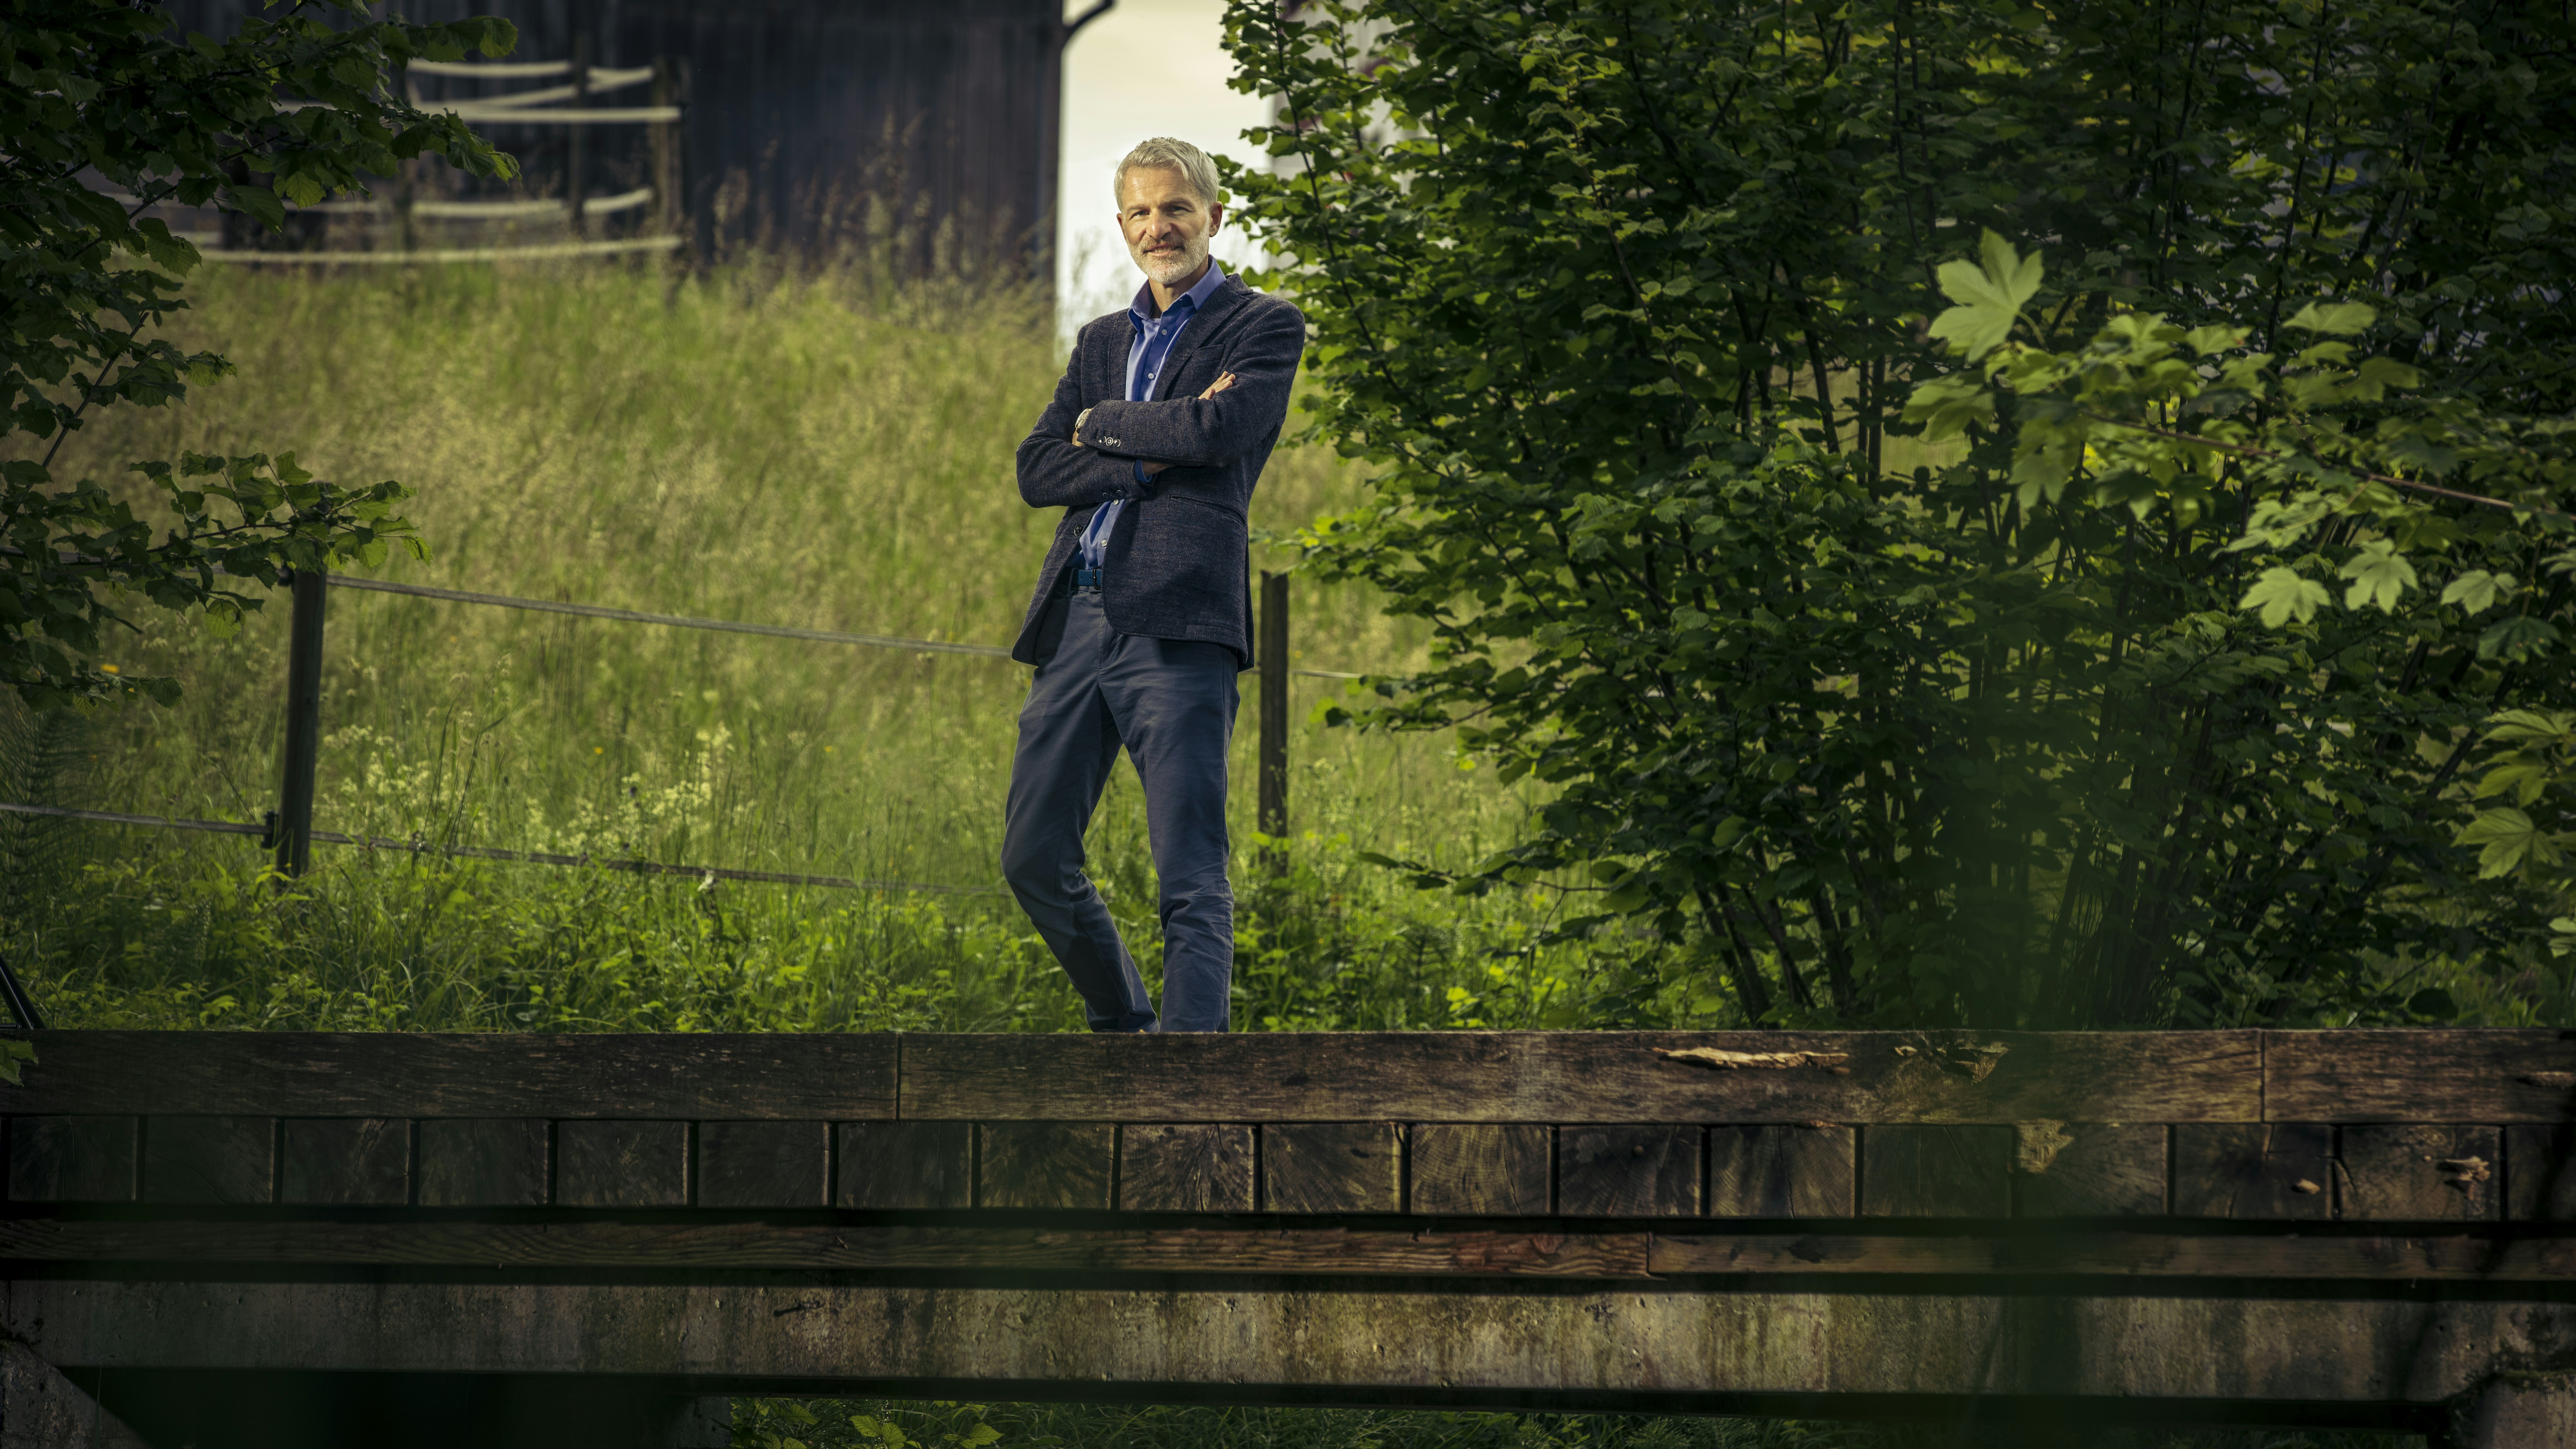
<point>1162,153</point>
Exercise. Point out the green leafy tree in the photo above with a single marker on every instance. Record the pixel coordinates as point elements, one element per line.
<point>106,113</point>
<point>1924,631</point>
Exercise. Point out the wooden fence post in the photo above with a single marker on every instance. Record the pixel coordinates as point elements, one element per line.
<point>1273,649</point>
<point>303,723</point>
<point>573,135</point>
<point>665,137</point>
<point>406,173</point>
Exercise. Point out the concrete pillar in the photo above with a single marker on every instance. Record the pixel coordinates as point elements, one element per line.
<point>2519,1411</point>
<point>40,1409</point>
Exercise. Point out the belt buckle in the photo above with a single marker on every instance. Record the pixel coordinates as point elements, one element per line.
<point>1086,579</point>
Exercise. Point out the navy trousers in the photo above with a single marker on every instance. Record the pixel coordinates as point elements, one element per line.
<point>1171,704</point>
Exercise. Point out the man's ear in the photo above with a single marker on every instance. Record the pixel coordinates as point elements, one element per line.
<point>1216,218</point>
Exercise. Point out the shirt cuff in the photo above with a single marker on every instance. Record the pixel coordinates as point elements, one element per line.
<point>1144,480</point>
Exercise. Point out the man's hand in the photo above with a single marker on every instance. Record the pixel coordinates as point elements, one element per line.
<point>1218,386</point>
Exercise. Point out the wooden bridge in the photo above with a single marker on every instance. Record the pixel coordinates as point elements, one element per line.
<point>2360,1228</point>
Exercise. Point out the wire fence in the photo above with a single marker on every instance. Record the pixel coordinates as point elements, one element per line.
<point>419,845</point>
<point>289,830</point>
<point>682,621</point>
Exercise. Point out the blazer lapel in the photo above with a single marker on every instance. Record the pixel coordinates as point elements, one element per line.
<point>1201,327</point>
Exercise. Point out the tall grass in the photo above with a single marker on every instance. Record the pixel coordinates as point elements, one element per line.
<point>811,450</point>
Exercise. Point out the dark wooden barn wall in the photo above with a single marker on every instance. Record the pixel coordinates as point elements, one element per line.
<point>929,125</point>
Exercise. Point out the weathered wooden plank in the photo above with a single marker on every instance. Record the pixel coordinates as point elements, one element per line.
<point>1793,1170</point>
<point>346,1161</point>
<point>2540,1173</point>
<point>811,1076</point>
<point>898,1165</point>
<point>2089,1169</point>
<point>1479,1169</point>
<point>764,1164</point>
<point>72,1159</point>
<point>821,1248</point>
<point>1627,1171</point>
<point>209,1159</point>
<point>1044,1164</point>
<point>2417,1170</point>
<point>620,1164</point>
<point>2254,1171</point>
<point>2456,1256</point>
<point>1651,1349</point>
<point>1203,1167</point>
<point>1935,1172</point>
<point>1583,1077</point>
<point>2437,1077</point>
<point>484,1162</point>
<point>2450,1257</point>
<point>1331,1167</point>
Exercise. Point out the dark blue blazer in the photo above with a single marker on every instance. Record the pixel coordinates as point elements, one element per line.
<point>1179,560</point>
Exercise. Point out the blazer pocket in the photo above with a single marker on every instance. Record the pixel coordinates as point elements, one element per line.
<point>1192,499</point>
<point>1196,551</point>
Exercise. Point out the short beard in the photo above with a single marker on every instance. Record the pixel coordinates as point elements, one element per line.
<point>1170,273</point>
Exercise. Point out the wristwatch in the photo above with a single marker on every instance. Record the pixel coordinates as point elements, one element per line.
<point>1078,421</point>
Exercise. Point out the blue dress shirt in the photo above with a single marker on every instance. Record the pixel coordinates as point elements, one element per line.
<point>1152,343</point>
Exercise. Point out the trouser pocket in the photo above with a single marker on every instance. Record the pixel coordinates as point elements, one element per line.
<point>1051,629</point>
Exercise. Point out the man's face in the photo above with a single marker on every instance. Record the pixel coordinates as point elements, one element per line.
<point>1166,225</point>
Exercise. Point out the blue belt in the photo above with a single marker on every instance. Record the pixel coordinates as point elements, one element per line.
<point>1087,578</point>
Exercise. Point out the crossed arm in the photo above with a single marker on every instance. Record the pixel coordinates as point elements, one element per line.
<point>1241,411</point>
<point>1150,469</point>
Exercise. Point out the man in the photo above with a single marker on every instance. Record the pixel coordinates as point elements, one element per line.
<point>1143,613</point>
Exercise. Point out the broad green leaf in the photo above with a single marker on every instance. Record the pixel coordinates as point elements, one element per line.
<point>2508,841</point>
<point>2380,575</point>
<point>2516,636</point>
<point>2477,590</point>
<point>2283,595</point>
<point>1990,297</point>
<point>2336,318</point>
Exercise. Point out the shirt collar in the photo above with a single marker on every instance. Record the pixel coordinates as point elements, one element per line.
<point>1141,311</point>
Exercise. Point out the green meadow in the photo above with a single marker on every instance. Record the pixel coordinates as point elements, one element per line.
<point>809,450</point>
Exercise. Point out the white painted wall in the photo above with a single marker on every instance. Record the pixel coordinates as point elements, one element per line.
<point>1147,68</point>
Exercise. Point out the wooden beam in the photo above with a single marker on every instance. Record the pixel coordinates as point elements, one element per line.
<point>1203,1167</point>
<point>2482,1075</point>
<point>2278,1171</point>
<point>346,1162</point>
<point>2418,1171</point>
<point>1331,1167</point>
<point>485,1162</point>
<point>622,1164</point>
<point>1936,1172</point>
<point>209,1159</point>
<point>1802,1170</point>
<point>1480,1170</point>
<point>1021,1342</point>
<point>72,1159</point>
<point>895,1165</point>
<point>814,1076</point>
<point>764,1164</point>
<point>1584,1077</point>
<point>2460,1256</point>
<point>834,1247</point>
<point>2540,1173</point>
<point>2089,1170</point>
<point>1045,1165</point>
<point>1627,1172</point>
<point>2450,1257</point>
